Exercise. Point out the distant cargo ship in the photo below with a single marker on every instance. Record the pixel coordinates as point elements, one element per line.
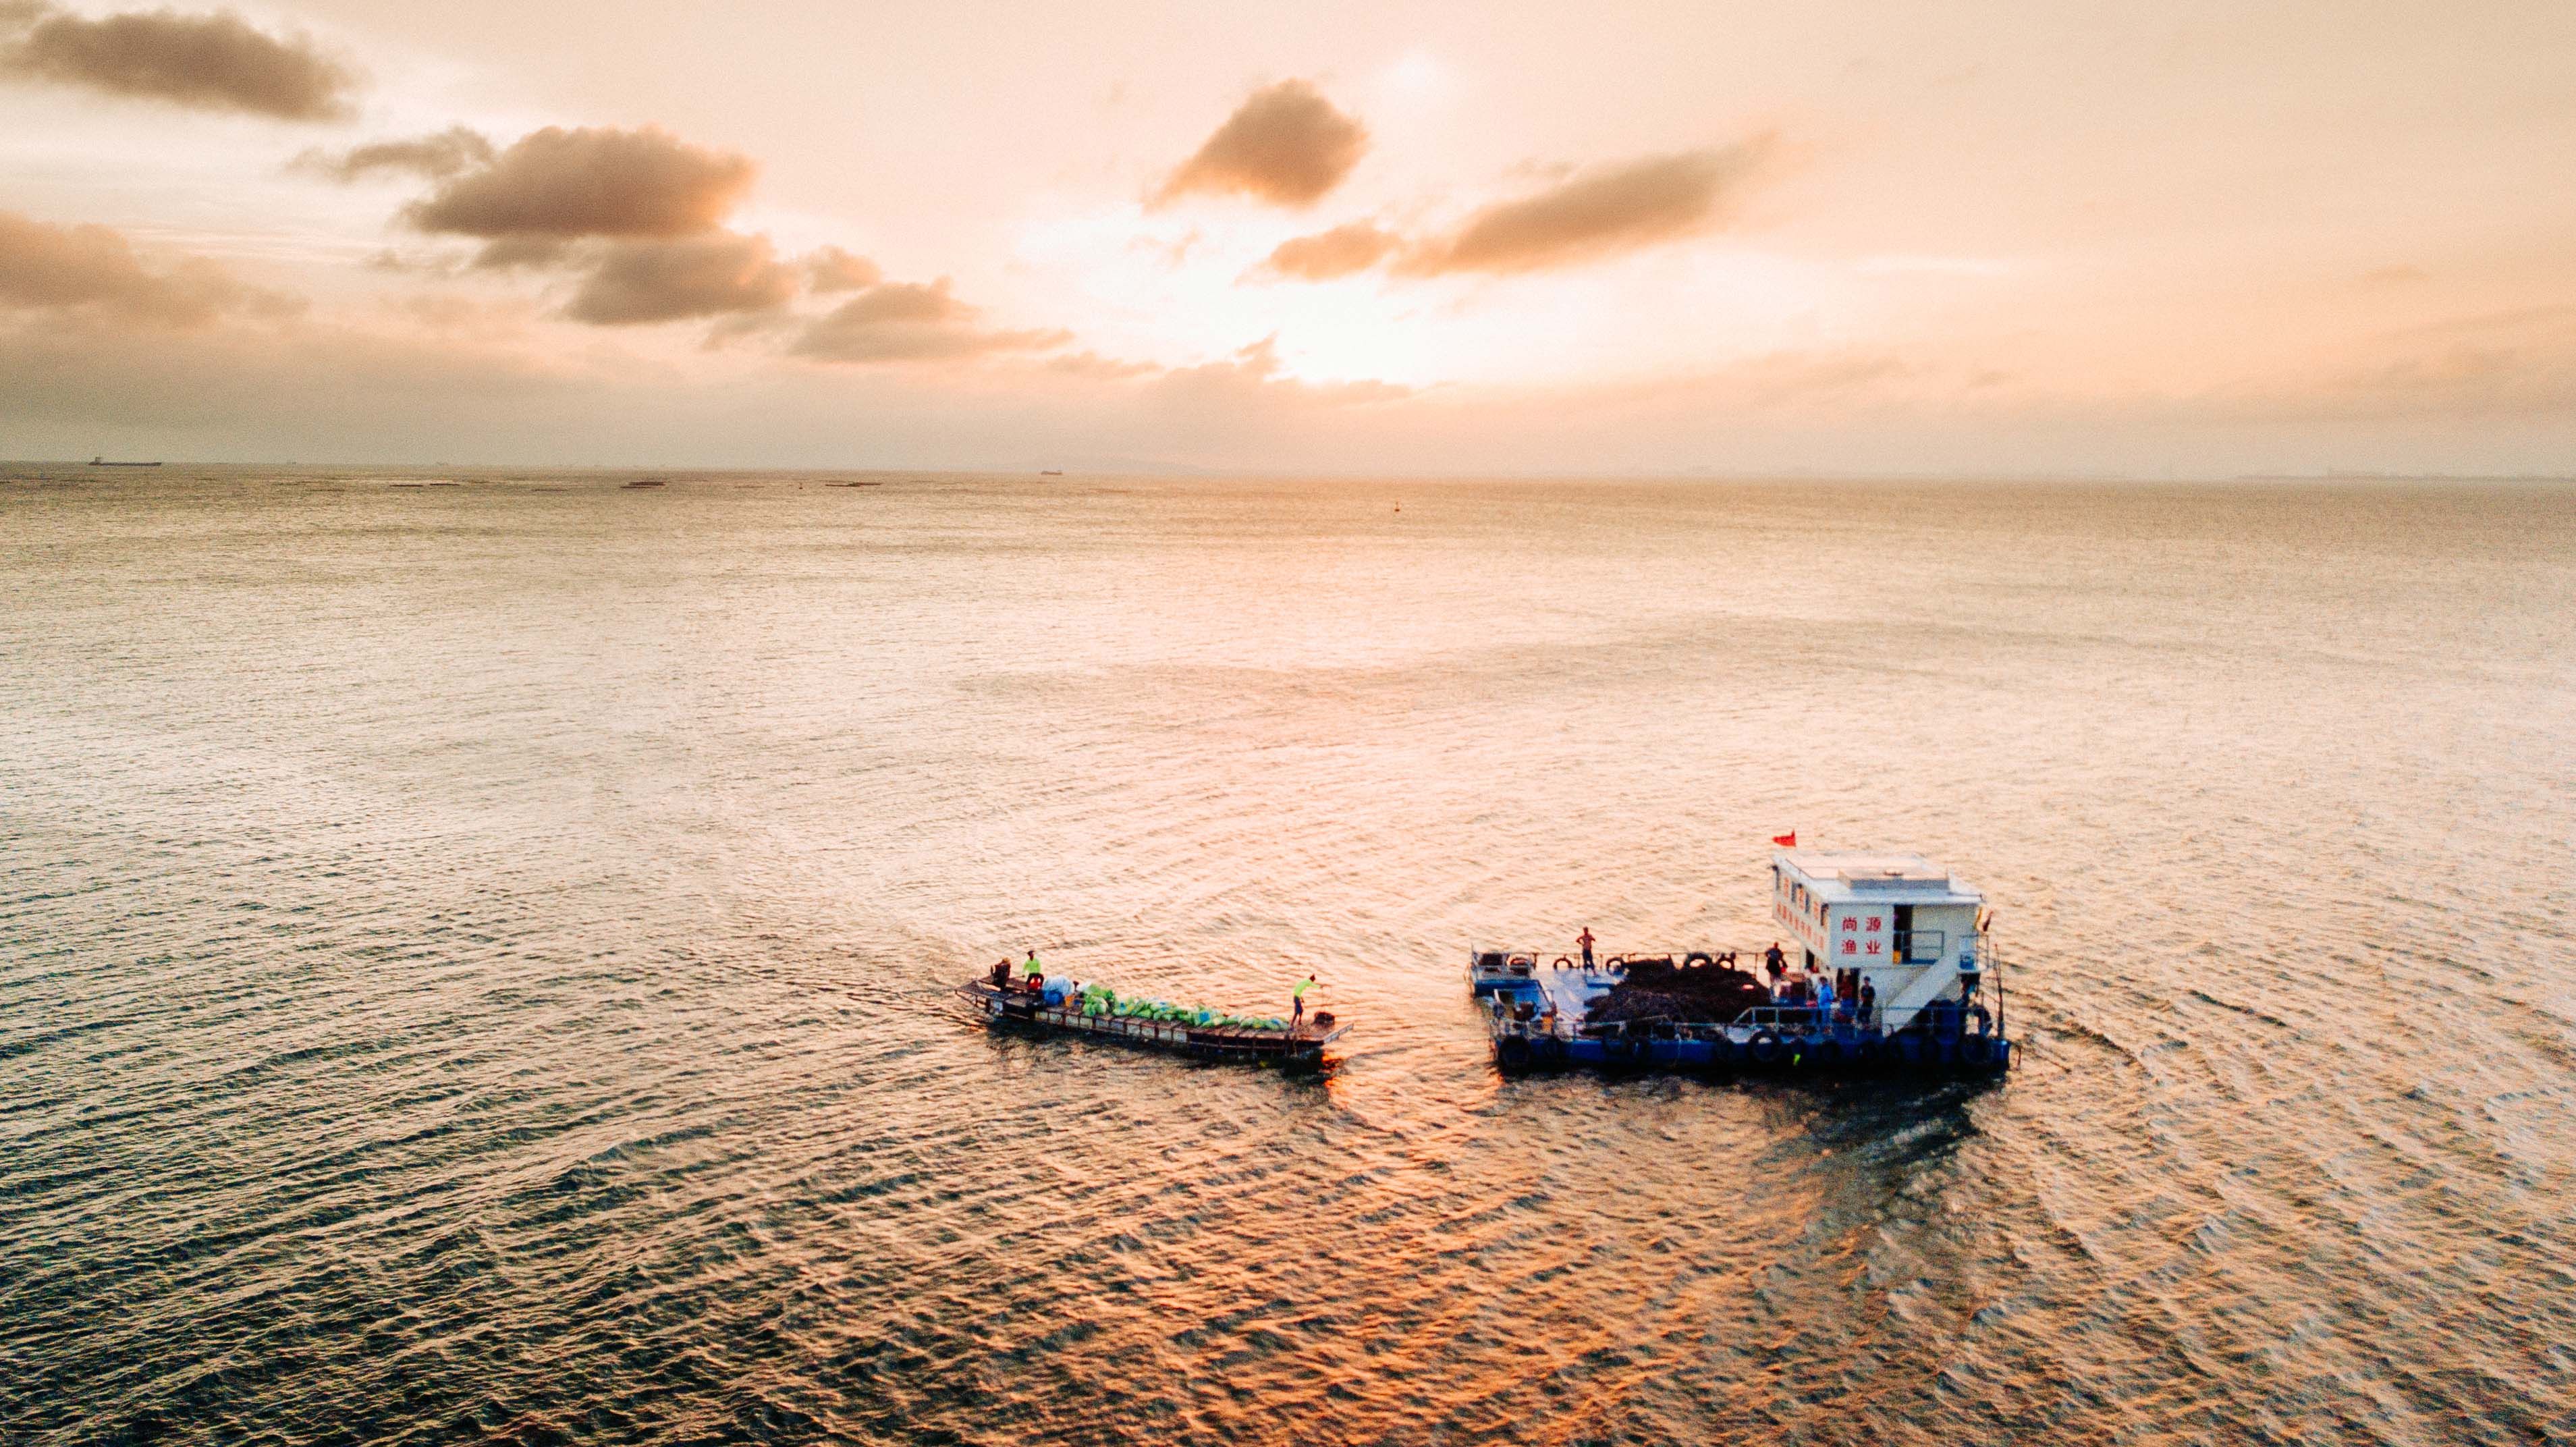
<point>103,462</point>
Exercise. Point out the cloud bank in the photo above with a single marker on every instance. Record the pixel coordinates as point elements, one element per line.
<point>830,269</point>
<point>435,157</point>
<point>902,322</point>
<point>1286,145</point>
<point>720,274</point>
<point>637,216</point>
<point>1599,213</point>
<point>558,185</point>
<point>1328,254</point>
<point>94,269</point>
<point>213,62</point>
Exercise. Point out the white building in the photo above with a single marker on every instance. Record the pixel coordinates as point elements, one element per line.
<point>1898,921</point>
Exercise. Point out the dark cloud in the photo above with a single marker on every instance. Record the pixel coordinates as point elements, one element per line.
<point>830,269</point>
<point>561,184</point>
<point>1286,145</point>
<point>1328,254</point>
<point>695,276</point>
<point>211,62</point>
<point>92,268</point>
<point>1598,213</point>
<point>434,157</point>
<point>517,253</point>
<point>902,322</point>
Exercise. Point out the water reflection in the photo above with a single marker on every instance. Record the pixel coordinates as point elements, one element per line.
<point>475,961</point>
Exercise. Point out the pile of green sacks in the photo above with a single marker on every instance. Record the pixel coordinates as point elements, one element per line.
<point>1102,1000</point>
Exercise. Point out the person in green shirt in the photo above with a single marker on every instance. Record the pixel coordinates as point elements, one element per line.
<point>1297,1003</point>
<point>1035,971</point>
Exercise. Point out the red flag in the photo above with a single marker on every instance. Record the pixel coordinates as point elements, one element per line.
<point>1790,839</point>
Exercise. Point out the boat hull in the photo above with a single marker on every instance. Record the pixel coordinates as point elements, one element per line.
<point>1545,1024</point>
<point>1719,1050</point>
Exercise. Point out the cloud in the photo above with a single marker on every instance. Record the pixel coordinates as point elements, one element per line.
<point>2492,364</point>
<point>1095,367</point>
<point>512,253</point>
<point>209,62</point>
<point>903,322</point>
<point>1328,254</point>
<point>830,269</point>
<point>1256,369</point>
<point>433,157</point>
<point>1599,213</point>
<point>558,184</point>
<point>1286,145</point>
<point>697,276</point>
<point>94,269</point>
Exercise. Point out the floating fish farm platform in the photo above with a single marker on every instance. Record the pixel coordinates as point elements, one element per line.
<point>1887,970</point>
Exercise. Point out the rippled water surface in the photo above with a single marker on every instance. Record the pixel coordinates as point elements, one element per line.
<point>473,959</point>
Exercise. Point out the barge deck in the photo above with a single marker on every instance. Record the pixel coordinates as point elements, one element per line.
<point>1293,1047</point>
<point>1888,968</point>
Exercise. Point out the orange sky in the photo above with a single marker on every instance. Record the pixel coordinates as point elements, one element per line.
<point>2198,239</point>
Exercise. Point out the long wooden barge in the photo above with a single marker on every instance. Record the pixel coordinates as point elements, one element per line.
<point>1295,1047</point>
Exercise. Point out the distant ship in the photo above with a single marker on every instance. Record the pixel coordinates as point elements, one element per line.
<point>1050,472</point>
<point>650,482</point>
<point>103,462</point>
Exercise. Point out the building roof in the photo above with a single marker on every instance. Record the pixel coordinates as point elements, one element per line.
<point>1846,876</point>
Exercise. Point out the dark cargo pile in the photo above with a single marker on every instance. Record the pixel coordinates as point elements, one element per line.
<point>1659,989</point>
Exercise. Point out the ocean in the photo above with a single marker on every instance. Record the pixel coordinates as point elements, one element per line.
<point>475,953</point>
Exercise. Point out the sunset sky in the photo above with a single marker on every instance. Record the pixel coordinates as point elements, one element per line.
<point>2203,239</point>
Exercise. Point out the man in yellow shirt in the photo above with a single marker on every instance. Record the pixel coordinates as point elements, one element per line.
<point>1297,1003</point>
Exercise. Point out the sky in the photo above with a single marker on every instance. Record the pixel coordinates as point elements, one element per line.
<point>1742,239</point>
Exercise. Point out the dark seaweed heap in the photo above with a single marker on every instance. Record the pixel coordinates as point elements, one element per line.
<point>1659,989</point>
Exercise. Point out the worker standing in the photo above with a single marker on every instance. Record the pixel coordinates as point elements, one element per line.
<point>1583,942</point>
<point>1035,971</point>
<point>1297,1003</point>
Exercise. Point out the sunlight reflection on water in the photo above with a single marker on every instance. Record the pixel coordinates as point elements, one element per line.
<point>476,959</point>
